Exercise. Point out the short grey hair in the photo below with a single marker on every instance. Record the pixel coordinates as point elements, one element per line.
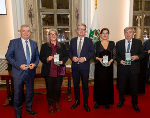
<point>128,28</point>
<point>82,24</point>
<point>25,25</point>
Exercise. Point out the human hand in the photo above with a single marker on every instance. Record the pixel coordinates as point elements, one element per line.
<point>32,65</point>
<point>82,59</point>
<point>100,60</point>
<point>135,57</point>
<point>61,62</point>
<point>122,62</point>
<point>75,59</point>
<point>24,67</point>
<point>49,58</point>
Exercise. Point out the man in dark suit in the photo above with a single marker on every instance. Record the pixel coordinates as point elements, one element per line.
<point>81,50</point>
<point>23,55</point>
<point>129,52</point>
<point>147,54</point>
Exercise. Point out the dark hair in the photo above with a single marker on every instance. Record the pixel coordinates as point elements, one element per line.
<point>104,29</point>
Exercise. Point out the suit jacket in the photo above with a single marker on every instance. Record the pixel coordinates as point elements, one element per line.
<point>16,57</point>
<point>46,51</point>
<point>136,49</point>
<point>146,48</point>
<point>87,51</point>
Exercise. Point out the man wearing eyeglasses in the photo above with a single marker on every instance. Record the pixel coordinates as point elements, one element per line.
<point>81,50</point>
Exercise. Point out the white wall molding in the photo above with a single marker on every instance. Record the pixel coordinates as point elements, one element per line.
<point>18,15</point>
<point>86,13</point>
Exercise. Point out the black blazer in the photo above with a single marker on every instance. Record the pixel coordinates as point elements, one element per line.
<point>87,51</point>
<point>146,48</point>
<point>46,51</point>
<point>136,49</point>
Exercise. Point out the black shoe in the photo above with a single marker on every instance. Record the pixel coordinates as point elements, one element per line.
<point>120,105</point>
<point>87,108</point>
<point>31,112</point>
<point>96,106</point>
<point>18,116</point>
<point>136,108</point>
<point>107,107</point>
<point>77,102</point>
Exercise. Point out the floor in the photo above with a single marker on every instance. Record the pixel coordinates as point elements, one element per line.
<point>40,83</point>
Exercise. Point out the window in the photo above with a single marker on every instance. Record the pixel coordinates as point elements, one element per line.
<point>55,14</point>
<point>141,17</point>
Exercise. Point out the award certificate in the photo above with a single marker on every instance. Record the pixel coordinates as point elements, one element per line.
<point>128,59</point>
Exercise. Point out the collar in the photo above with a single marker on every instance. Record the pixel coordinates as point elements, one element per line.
<point>79,38</point>
<point>23,40</point>
<point>127,40</point>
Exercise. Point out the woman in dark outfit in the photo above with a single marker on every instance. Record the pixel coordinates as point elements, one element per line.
<point>103,81</point>
<point>50,70</point>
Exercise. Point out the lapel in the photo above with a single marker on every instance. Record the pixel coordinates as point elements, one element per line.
<point>123,47</point>
<point>31,45</point>
<point>21,48</point>
<point>132,46</point>
<point>75,44</point>
<point>83,46</point>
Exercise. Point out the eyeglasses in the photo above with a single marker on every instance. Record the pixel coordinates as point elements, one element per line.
<point>53,34</point>
<point>105,33</point>
<point>80,29</point>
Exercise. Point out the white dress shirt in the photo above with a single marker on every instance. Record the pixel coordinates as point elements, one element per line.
<point>24,47</point>
<point>126,44</point>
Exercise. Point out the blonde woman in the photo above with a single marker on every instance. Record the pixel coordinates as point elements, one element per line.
<point>50,70</point>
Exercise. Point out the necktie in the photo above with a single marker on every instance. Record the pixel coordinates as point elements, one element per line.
<point>27,53</point>
<point>79,48</point>
<point>128,48</point>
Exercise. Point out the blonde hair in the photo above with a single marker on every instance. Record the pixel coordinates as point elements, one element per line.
<point>57,43</point>
<point>53,30</point>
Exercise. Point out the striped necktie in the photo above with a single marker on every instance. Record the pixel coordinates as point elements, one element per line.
<point>79,48</point>
<point>128,48</point>
<point>27,53</point>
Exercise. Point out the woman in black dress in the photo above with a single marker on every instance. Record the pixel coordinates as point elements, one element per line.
<point>103,76</point>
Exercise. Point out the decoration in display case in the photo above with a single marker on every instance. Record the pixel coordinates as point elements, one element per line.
<point>138,29</point>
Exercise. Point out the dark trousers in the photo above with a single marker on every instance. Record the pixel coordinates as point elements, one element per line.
<point>84,74</point>
<point>19,92</point>
<point>132,78</point>
<point>53,86</point>
<point>147,73</point>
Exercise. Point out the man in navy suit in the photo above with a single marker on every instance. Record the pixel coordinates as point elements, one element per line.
<point>81,50</point>
<point>23,55</point>
<point>129,53</point>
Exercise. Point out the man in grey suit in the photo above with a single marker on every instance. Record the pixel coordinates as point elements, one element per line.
<point>23,55</point>
<point>129,52</point>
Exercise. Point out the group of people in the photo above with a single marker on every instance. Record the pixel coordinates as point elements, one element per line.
<point>23,55</point>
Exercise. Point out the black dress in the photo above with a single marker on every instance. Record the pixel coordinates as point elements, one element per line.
<point>103,76</point>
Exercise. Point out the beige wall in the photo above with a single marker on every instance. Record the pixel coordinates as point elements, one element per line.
<point>6,29</point>
<point>115,15</point>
